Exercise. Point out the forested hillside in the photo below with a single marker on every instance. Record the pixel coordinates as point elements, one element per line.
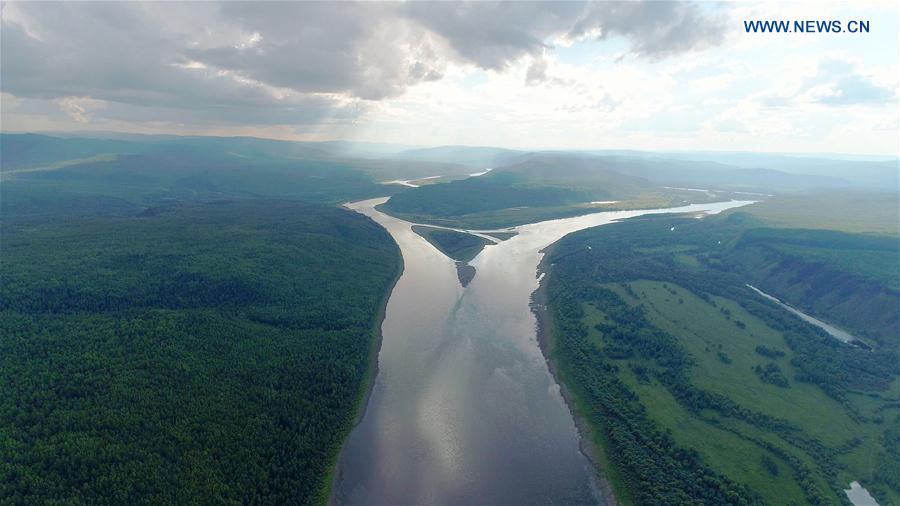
<point>540,188</point>
<point>494,191</point>
<point>529,187</point>
<point>33,152</point>
<point>682,370</point>
<point>194,354</point>
<point>131,182</point>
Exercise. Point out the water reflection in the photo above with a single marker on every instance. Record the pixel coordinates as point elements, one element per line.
<point>464,409</point>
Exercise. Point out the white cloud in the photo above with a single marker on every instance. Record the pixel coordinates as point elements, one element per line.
<point>80,109</point>
<point>643,75</point>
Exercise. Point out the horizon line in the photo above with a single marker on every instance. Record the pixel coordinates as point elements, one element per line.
<point>798,154</point>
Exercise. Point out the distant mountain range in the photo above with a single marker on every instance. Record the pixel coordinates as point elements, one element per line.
<point>726,170</point>
<point>771,173</point>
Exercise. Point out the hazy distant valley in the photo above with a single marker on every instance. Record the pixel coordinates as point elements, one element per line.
<point>221,282</point>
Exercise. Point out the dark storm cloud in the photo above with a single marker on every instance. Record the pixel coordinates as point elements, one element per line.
<point>296,63</point>
<point>360,49</point>
<point>494,34</point>
<point>124,54</point>
<point>655,29</point>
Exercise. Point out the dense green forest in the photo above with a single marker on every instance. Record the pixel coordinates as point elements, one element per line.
<point>530,187</point>
<point>189,354</point>
<point>494,191</point>
<point>534,190</point>
<point>173,331</point>
<point>855,212</point>
<point>459,246</point>
<point>33,152</point>
<point>192,320</point>
<point>699,390</point>
<point>128,183</point>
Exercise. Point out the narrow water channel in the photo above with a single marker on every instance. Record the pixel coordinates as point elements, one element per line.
<point>464,409</point>
<point>833,331</point>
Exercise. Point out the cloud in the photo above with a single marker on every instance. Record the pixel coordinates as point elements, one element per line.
<point>537,72</point>
<point>138,61</point>
<point>363,50</point>
<point>834,82</point>
<point>841,83</point>
<point>297,63</point>
<point>493,35</point>
<point>79,108</point>
<point>655,29</point>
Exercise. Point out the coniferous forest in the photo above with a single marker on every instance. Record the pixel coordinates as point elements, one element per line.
<point>193,354</point>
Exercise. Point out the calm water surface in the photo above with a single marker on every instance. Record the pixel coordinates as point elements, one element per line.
<point>859,496</point>
<point>833,331</point>
<point>464,409</point>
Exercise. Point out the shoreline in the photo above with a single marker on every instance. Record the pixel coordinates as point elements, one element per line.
<point>459,223</point>
<point>327,495</point>
<point>586,444</point>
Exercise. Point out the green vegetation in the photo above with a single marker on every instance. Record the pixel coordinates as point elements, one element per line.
<point>494,191</point>
<point>474,157</point>
<point>681,370</point>
<point>7,174</point>
<point>27,151</point>
<point>502,236</point>
<point>749,172</point>
<point>769,352</point>
<point>848,279</point>
<point>845,211</point>
<point>541,186</point>
<point>538,189</point>
<point>30,151</point>
<point>172,331</point>
<point>771,374</point>
<point>135,181</point>
<point>459,246</point>
<point>508,217</point>
<point>208,353</point>
<point>437,179</point>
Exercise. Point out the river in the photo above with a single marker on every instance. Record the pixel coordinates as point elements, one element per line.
<point>840,335</point>
<point>464,409</point>
<point>859,496</point>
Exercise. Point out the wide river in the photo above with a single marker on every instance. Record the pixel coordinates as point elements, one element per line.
<point>464,409</point>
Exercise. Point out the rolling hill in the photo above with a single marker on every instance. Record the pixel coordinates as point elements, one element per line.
<point>536,188</point>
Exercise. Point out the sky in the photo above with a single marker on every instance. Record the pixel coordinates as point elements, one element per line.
<point>533,75</point>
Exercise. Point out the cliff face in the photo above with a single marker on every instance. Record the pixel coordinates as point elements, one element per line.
<point>814,282</point>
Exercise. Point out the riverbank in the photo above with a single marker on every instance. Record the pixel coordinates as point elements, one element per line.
<point>448,419</point>
<point>588,435</point>
<point>464,405</point>
<point>326,495</point>
<point>635,305</point>
<point>524,215</point>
